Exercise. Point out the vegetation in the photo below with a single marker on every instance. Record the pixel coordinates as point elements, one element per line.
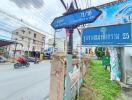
<point>100,52</point>
<point>97,84</point>
<point>2,49</point>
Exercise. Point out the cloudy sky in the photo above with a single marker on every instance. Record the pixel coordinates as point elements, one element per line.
<point>36,14</point>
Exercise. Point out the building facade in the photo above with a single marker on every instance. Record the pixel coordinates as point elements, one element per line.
<point>59,44</point>
<point>27,40</point>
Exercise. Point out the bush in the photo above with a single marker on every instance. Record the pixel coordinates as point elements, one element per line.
<point>100,52</point>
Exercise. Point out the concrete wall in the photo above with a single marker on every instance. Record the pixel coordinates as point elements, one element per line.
<point>126,61</point>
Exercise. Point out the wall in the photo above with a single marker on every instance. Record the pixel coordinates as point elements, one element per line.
<point>126,61</point>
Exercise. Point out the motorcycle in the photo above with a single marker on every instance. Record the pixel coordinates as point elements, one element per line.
<point>21,61</point>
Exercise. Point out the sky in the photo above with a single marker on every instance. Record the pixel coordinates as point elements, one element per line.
<point>37,14</point>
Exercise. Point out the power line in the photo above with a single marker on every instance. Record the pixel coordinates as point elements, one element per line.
<point>5,37</point>
<point>20,35</point>
<point>20,20</point>
<point>38,42</point>
<point>86,3</point>
<point>76,4</point>
<point>82,4</point>
<point>63,4</point>
<point>39,16</point>
<point>8,21</point>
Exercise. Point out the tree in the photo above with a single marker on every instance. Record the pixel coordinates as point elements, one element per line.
<point>100,52</point>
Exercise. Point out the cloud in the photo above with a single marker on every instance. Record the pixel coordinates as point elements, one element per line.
<point>27,3</point>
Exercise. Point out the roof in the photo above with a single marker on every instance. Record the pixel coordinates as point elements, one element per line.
<point>5,42</point>
<point>27,28</point>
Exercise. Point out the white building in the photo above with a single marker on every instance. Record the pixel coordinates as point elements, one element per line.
<point>28,40</point>
<point>59,44</point>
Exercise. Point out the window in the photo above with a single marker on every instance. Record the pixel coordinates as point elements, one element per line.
<point>43,38</point>
<point>23,31</point>
<point>29,39</point>
<point>29,32</point>
<point>33,48</point>
<point>34,41</point>
<point>34,35</point>
<point>17,33</point>
<point>21,45</point>
<point>22,38</point>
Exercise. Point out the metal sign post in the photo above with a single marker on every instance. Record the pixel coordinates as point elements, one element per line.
<point>71,20</point>
<point>67,95</point>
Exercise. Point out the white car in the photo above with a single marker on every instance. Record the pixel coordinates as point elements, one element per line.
<point>2,59</point>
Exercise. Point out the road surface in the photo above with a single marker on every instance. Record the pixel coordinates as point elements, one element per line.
<point>25,83</point>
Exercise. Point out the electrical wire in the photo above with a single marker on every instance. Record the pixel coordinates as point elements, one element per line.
<point>39,15</point>
<point>3,14</point>
<point>24,22</point>
<point>20,36</point>
<point>32,9</point>
<point>20,40</point>
<point>82,3</point>
<point>21,20</point>
<point>87,4</point>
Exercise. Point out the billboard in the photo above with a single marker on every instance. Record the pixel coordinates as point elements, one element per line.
<point>115,14</point>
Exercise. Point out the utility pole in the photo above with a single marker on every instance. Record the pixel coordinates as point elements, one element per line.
<point>15,50</point>
<point>69,68</point>
<point>54,43</point>
<point>69,52</point>
<point>28,45</point>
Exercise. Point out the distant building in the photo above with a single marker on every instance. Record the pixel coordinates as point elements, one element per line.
<point>28,40</point>
<point>86,49</point>
<point>59,44</point>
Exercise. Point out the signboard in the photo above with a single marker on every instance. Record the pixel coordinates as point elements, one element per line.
<point>106,60</point>
<point>81,17</point>
<point>108,35</point>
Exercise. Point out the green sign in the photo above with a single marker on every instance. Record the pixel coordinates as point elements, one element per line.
<point>106,60</point>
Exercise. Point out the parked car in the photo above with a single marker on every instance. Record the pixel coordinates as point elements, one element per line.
<point>49,52</point>
<point>30,59</point>
<point>47,55</point>
<point>3,59</point>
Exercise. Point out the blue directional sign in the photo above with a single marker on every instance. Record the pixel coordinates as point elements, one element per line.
<point>108,35</point>
<point>81,17</point>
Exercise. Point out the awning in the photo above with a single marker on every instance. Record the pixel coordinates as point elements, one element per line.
<point>5,42</point>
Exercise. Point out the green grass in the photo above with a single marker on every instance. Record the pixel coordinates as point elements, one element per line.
<point>99,81</point>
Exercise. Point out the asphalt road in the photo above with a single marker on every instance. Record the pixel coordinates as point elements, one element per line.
<point>25,83</point>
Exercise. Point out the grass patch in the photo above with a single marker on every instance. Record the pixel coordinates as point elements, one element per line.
<point>98,80</point>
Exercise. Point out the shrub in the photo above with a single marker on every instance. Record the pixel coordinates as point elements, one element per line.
<point>100,52</point>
